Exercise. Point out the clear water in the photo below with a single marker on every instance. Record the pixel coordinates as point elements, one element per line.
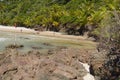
<point>29,41</point>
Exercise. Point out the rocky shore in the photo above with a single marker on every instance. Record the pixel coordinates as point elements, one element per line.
<point>61,64</point>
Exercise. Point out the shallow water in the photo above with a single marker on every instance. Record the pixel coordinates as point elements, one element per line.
<point>2,39</point>
<point>34,41</point>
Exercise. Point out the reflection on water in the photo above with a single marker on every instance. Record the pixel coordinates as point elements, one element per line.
<point>30,42</point>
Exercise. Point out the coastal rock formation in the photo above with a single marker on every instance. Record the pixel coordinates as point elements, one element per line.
<point>62,65</point>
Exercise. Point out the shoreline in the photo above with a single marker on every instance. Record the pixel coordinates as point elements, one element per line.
<point>16,29</point>
<point>39,33</point>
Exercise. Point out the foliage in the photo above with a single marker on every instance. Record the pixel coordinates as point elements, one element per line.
<point>110,42</point>
<point>75,14</point>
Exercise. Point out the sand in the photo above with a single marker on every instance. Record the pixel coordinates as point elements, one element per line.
<point>41,33</point>
<point>16,29</point>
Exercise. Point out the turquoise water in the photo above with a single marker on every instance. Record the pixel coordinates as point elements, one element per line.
<point>32,42</point>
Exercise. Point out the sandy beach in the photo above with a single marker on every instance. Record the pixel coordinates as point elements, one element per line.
<point>16,29</point>
<point>41,33</point>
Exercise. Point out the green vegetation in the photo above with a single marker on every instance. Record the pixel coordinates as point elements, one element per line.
<point>70,16</point>
<point>109,34</point>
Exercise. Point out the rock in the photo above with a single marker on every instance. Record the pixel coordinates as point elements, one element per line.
<point>34,47</point>
<point>33,66</point>
<point>47,44</point>
<point>50,51</point>
<point>14,46</point>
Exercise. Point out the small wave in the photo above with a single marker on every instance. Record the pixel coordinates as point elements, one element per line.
<point>88,76</point>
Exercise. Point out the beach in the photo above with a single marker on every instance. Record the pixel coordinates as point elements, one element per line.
<point>41,33</point>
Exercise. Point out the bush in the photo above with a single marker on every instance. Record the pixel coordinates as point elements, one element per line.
<point>110,41</point>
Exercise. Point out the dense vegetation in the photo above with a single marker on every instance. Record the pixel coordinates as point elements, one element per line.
<point>110,44</point>
<point>71,16</point>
